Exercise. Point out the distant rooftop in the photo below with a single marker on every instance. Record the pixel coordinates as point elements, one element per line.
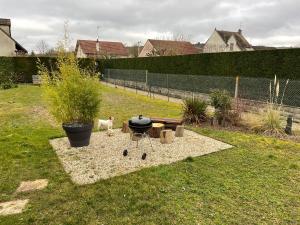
<point>89,47</point>
<point>179,47</point>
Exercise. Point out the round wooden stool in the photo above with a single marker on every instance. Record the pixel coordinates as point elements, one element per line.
<point>154,132</point>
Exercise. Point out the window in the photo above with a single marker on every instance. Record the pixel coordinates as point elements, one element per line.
<point>231,46</point>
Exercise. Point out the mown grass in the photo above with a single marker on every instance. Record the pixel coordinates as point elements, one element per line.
<point>256,182</point>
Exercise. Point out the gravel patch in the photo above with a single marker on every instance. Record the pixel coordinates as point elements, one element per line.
<point>104,159</point>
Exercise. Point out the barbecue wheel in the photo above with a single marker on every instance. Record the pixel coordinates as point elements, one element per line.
<point>144,156</point>
<point>125,152</point>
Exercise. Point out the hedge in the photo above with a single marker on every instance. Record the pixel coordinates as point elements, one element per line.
<point>284,62</point>
<point>25,67</point>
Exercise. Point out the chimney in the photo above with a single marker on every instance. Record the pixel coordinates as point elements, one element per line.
<point>240,31</point>
<point>5,25</point>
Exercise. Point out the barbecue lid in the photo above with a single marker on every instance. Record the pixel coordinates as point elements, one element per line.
<point>140,121</point>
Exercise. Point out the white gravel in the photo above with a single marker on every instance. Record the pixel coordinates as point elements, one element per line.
<point>104,159</point>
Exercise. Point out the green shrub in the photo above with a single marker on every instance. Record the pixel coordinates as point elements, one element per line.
<point>73,95</point>
<point>8,84</point>
<point>7,76</point>
<point>194,110</point>
<point>221,100</point>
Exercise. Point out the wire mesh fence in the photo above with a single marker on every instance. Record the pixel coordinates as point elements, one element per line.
<point>178,85</point>
<point>259,89</point>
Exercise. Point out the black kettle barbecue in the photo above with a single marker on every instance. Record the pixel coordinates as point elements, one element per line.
<point>139,126</point>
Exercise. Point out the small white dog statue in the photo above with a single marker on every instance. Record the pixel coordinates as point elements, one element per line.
<point>106,124</point>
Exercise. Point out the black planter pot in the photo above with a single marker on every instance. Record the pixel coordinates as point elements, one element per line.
<point>78,134</point>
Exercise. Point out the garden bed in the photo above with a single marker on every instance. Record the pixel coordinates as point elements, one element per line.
<point>103,158</point>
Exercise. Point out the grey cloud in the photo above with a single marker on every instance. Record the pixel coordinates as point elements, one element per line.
<point>267,22</point>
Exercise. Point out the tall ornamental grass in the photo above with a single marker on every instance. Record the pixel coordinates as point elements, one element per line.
<point>268,120</point>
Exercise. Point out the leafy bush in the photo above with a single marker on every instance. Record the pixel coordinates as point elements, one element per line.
<point>73,95</point>
<point>8,78</point>
<point>221,100</point>
<point>194,110</point>
<point>8,85</point>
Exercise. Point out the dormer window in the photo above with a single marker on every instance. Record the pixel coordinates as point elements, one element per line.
<point>231,46</point>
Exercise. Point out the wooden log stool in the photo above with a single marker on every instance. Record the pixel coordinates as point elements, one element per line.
<point>166,136</point>
<point>179,131</point>
<point>125,127</point>
<point>155,130</point>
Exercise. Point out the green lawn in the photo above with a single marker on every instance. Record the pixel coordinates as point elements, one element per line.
<point>256,182</point>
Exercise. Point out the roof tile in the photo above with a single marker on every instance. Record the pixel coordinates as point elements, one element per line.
<point>174,47</point>
<point>106,47</point>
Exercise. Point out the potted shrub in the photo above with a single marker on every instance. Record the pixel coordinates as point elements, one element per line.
<point>73,97</point>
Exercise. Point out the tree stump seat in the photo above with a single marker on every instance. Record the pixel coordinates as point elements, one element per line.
<point>155,130</point>
<point>125,127</point>
<point>179,131</point>
<point>166,136</point>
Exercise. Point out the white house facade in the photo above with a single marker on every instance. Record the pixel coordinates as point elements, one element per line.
<point>8,45</point>
<point>226,41</point>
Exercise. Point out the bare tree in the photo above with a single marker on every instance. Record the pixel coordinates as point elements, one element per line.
<point>42,47</point>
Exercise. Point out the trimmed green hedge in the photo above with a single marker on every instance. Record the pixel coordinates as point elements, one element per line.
<point>285,63</point>
<point>25,67</point>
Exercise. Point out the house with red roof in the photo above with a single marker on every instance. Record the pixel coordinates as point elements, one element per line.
<point>227,41</point>
<point>100,49</point>
<point>167,48</point>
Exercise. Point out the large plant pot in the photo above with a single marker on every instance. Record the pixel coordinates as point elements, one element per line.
<point>78,134</point>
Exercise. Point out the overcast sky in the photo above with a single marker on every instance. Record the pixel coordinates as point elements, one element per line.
<point>264,22</point>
